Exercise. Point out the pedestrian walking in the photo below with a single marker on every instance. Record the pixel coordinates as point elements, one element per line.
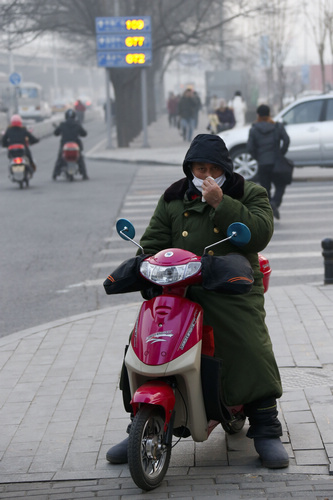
<point>172,106</point>
<point>187,112</point>
<point>268,142</point>
<point>238,105</point>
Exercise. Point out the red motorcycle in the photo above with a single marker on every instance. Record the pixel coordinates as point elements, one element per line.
<point>70,160</point>
<point>170,379</point>
<point>19,168</point>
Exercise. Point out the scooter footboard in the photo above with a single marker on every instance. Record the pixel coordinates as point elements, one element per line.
<point>211,369</point>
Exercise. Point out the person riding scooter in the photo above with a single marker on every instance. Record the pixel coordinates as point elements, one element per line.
<point>17,134</point>
<point>70,131</point>
<point>193,213</point>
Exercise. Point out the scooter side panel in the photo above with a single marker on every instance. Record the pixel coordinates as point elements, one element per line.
<point>186,369</point>
<point>168,326</point>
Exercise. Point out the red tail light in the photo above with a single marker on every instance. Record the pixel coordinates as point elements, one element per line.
<point>17,160</point>
<point>265,268</point>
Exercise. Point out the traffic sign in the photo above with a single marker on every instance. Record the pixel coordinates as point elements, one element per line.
<point>124,59</point>
<point>121,42</point>
<point>123,24</point>
<point>15,78</point>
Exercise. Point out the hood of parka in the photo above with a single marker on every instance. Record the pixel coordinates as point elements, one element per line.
<point>208,148</point>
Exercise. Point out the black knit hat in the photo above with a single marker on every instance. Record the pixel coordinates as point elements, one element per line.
<point>208,148</point>
<point>263,110</point>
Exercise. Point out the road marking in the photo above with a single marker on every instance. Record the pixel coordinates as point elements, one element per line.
<point>298,272</point>
<point>86,283</point>
<point>289,255</point>
<point>113,264</point>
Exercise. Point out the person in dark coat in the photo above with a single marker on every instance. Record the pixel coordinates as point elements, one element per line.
<point>193,213</point>
<point>187,109</point>
<point>265,139</point>
<point>172,106</point>
<point>70,131</point>
<point>17,134</point>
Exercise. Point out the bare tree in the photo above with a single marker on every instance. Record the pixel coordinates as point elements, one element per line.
<point>318,22</point>
<point>175,23</point>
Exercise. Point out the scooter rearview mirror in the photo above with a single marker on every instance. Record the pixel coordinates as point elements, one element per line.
<point>125,229</point>
<point>239,234</point>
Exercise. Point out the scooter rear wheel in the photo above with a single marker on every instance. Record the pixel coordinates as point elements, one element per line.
<point>148,455</point>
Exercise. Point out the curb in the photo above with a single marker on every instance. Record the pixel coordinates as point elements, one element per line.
<point>13,337</point>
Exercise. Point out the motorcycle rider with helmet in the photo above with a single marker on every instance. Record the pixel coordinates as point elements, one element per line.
<point>16,133</point>
<point>70,130</point>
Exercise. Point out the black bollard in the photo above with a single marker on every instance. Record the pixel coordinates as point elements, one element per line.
<point>327,246</point>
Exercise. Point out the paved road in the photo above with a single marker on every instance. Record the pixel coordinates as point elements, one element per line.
<point>51,233</point>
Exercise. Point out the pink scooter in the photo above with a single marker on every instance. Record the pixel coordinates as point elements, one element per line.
<point>170,379</point>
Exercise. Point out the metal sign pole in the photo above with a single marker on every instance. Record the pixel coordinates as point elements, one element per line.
<point>144,107</point>
<point>108,111</point>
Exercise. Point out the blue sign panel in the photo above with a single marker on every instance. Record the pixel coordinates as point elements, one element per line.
<point>123,24</point>
<point>15,78</point>
<point>130,42</point>
<point>124,59</point>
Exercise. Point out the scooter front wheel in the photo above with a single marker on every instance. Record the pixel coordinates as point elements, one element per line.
<point>148,455</point>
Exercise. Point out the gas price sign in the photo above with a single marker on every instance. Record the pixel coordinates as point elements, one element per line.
<point>123,42</point>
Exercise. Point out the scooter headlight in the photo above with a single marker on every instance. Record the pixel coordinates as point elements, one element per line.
<point>167,275</point>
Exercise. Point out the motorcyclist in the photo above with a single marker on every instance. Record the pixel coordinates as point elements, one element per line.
<point>195,212</point>
<point>80,110</point>
<point>70,131</point>
<point>17,134</point>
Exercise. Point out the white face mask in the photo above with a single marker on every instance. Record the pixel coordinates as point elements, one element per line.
<point>198,182</point>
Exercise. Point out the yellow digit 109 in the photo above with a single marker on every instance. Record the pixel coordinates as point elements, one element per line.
<point>135,24</point>
<point>135,58</point>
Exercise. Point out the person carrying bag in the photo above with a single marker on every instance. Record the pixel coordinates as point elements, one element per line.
<point>283,167</point>
<point>268,143</point>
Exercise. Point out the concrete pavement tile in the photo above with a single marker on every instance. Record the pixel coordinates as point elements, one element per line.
<point>319,394</point>
<point>305,436</point>
<point>298,405</point>
<point>313,457</point>
<point>13,413</point>
<point>284,361</point>
<point>15,477</point>
<point>324,419</point>
<point>292,395</point>
<point>301,417</point>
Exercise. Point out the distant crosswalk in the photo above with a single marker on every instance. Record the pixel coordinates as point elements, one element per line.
<point>294,251</point>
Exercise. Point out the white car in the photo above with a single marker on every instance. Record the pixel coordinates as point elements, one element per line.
<point>309,124</point>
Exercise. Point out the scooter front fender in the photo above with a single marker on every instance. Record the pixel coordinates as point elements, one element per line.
<point>158,393</point>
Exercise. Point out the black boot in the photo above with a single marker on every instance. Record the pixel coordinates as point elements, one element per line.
<point>265,429</point>
<point>118,453</point>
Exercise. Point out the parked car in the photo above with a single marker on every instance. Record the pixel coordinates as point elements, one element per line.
<point>309,124</point>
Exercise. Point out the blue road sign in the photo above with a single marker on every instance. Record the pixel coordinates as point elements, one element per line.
<point>130,42</point>
<point>123,24</point>
<point>124,59</point>
<point>15,78</point>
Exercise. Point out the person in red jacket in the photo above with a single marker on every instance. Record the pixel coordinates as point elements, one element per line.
<point>80,110</point>
<point>16,133</point>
